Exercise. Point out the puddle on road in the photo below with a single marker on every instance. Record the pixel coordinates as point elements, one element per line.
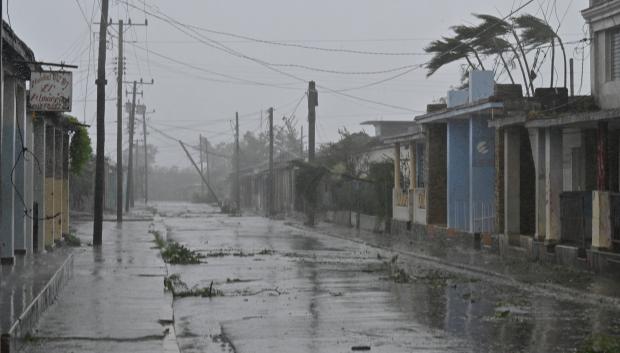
<point>317,294</point>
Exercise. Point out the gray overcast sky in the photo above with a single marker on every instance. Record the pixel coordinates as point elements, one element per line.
<point>189,102</point>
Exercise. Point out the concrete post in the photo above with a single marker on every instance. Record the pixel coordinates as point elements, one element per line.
<point>412,166</point>
<point>601,221</point>
<point>537,140</point>
<point>29,195</point>
<point>7,159</point>
<point>20,207</point>
<point>397,168</point>
<point>50,136</point>
<point>58,159</point>
<point>65,183</point>
<point>512,181</point>
<point>553,182</point>
<point>39,184</point>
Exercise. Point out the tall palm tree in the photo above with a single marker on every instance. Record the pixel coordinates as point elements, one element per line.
<point>468,37</point>
<point>445,51</point>
<point>496,46</point>
<point>491,32</point>
<point>536,32</point>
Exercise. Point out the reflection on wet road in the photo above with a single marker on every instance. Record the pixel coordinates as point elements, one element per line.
<point>288,290</point>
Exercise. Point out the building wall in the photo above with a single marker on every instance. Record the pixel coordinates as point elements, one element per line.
<point>482,177</point>
<point>436,156</point>
<point>605,90</point>
<point>458,174</point>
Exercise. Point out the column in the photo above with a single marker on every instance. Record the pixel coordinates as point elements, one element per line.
<point>537,140</point>
<point>19,174</point>
<point>7,159</point>
<point>39,185</point>
<point>512,181</point>
<point>397,186</point>
<point>58,160</point>
<point>436,174</point>
<point>30,165</point>
<point>413,172</point>
<point>65,182</point>
<point>553,182</point>
<point>50,136</point>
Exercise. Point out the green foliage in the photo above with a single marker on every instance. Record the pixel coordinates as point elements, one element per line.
<point>348,155</point>
<point>308,179</point>
<point>179,289</point>
<point>72,240</point>
<point>177,254</point>
<point>601,344</point>
<point>80,150</point>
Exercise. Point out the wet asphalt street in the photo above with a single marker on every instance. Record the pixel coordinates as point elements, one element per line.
<point>282,288</point>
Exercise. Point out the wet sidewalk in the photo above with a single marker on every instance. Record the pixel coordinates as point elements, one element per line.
<point>25,281</point>
<point>115,301</point>
<point>516,269</point>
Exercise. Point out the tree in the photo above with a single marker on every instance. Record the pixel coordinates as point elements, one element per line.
<point>348,155</point>
<point>536,32</point>
<point>445,51</point>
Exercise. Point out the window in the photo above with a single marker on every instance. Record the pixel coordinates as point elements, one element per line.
<point>613,54</point>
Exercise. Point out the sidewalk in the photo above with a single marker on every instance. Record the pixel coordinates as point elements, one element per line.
<point>115,301</point>
<point>512,270</point>
<point>28,288</point>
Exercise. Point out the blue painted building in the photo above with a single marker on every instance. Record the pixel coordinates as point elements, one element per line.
<point>470,169</point>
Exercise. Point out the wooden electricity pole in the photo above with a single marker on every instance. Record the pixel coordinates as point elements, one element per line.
<point>301,143</point>
<point>146,159</point>
<point>132,114</point>
<point>313,102</point>
<point>271,178</point>
<point>237,158</point>
<point>100,161</point>
<point>119,125</point>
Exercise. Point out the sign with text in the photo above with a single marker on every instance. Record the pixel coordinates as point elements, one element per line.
<point>51,91</point>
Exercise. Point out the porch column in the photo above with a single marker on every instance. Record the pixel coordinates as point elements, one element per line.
<point>65,183</point>
<point>436,174</point>
<point>38,212</point>
<point>397,167</point>
<point>413,172</point>
<point>7,159</point>
<point>601,157</point>
<point>512,181</point>
<point>20,204</point>
<point>29,195</point>
<point>50,219</point>
<point>537,141</point>
<point>554,183</point>
<point>58,159</point>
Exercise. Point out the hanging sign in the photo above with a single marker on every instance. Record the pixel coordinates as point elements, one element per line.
<point>51,91</point>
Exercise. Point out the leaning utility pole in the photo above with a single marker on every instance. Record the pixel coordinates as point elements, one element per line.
<point>237,158</point>
<point>119,126</point>
<point>129,198</point>
<point>271,179</point>
<point>100,162</point>
<point>313,102</point>
<point>189,156</point>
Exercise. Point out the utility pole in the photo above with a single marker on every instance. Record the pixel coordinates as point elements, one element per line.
<point>237,158</point>
<point>189,156</point>
<point>129,198</point>
<point>146,159</point>
<point>271,179</point>
<point>119,125</point>
<point>202,186</point>
<point>313,102</point>
<point>100,162</point>
<point>301,143</point>
<point>207,160</point>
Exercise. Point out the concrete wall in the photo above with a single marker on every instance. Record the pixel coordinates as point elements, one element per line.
<point>604,89</point>
<point>482,177</point>
<point>436,174</point>
<point>458,175</point>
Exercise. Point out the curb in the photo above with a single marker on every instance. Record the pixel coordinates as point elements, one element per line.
<point>12,340</point>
